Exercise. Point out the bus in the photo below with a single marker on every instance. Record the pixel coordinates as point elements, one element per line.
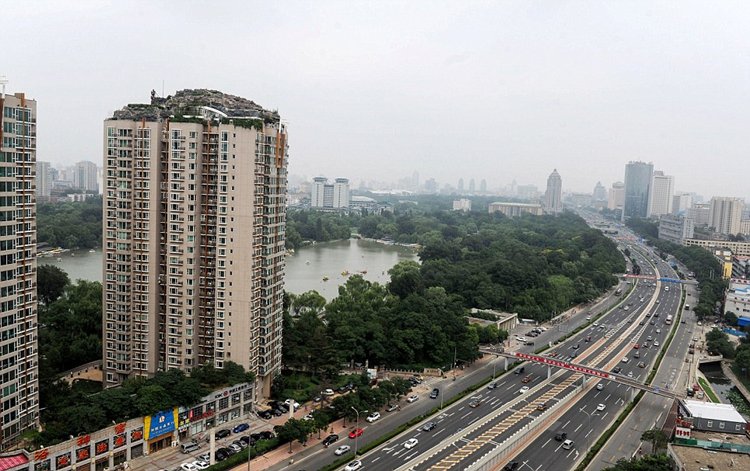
<point>669,320</point>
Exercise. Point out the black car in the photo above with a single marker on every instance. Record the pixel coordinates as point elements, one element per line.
<point>221,454</point>
<point>266,435</point>
<point>223,433</point>
<point>278,412</point>
<point>512,466</point>
<point>330,439</point>
<point>265,415</point>
<point>561,436</point>
<point>255,437</point>
<point>428,426</point>
<point>247,440</point>
<point>616,369</point>
<point>520,370</point>
<point>435,393</point>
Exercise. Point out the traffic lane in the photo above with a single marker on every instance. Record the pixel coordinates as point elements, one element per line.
<point>452,422</point>
<point>529,414</point>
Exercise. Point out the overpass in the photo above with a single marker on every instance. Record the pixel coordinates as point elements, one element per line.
<point>663,280</point>
<point>583,369</point>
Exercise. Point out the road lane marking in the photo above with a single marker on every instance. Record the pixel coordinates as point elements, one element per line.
<point>545,443</point>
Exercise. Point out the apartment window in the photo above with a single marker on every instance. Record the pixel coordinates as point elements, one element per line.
<point>710,424</point>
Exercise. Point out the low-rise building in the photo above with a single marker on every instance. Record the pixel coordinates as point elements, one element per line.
<point>464,204</point>
<point>737,299</point>
<point>711,417</point>
<point>516,209</point>
<point>502,320</point>
<point>737,248</point>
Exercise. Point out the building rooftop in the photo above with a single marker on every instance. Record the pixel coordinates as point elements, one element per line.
<point>199,103</point>
<point>696,459</point>
<point>707,410</point>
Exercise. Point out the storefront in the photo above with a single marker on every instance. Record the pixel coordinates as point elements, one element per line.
<point>160,430</point>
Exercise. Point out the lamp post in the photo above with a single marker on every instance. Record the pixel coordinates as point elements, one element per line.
<point>356,433</point>
<point>588,440</point>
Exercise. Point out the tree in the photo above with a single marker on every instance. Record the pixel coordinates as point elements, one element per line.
<point>51,283</point>
<point>657,438</point>
<point>406,279</point>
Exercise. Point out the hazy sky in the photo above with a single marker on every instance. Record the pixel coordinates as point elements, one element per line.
<point>377,90</point>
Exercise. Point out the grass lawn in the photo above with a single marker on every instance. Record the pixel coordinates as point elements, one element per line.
<point>709,392</point>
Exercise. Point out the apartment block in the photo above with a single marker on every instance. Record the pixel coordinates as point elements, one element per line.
<point>325,195</point>
<point>194,232</point>
<point>516,209</point>
<point>19,383</point>
<point>725,214</point>
<point>661,195</point>
<point>675,228</point>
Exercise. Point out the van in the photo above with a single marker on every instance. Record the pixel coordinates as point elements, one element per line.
<point>189,447</point>
<point>567,444</point>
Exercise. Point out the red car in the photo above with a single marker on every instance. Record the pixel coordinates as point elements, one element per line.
<point>357,432</point>
<point>636,346</point>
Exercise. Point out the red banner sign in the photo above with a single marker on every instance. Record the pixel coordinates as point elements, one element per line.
<point>563,364</point>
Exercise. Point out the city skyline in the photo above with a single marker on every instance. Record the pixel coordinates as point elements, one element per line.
<point>513,90</point>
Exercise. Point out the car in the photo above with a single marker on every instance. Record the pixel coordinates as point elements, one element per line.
<point>240,444</point>
<point>520,339</point>
<point>412,398</point>
<point>520,370</point>
<point>636,346</point>
<point>576,346</point>
<point>246,440</point>
<point>204,457</point>
<point>512,466</point>
<point>235,447</point>
<point>523,390</point>
<point>435,393</point>
<point>567,444</point>
<point>342,449</point>
<point>391,407</point>
<point>278,412</point>
<point>649,338</point>
<point>641,323</point>
<point>221,454</point>
<point>588,318</point>
<point>188,467</point>
<point>410,443</point>
<point>327,392</point>
<point>656,343</point>
<point>526,380</point>
<point>641,365</point>
<point>429,426</point>
<point>529,343</point>
<point>561,436</point>
<point>601,407</point>
<point>265,415</point>
<point>475,403</point>
<point>624,359</point>
<point>616,369</point>
<point>266,435</point>
<point>357,432</point>
<point>223,433</point>
<point>595,324</point>
<point>309,417</point>
<point>240,428</point>
<point>373,417</point>
<point>588,338</point>
<point>353,466</point>
<point>630,374</point>
<point>201,464</point>
<point>600,386</point>
<point>317,399</point>
<point>491,385</point>
<point>330,439</point>
<point>541,406</point>
<point>658,331</point>
<point>645,344</point>
<point>292,403</point>
<point>652,322</point>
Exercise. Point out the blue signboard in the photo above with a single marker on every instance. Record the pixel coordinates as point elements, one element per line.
<point>161,423</point>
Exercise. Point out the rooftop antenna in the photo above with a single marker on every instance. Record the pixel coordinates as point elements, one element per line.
<point>3,82</point>
<point>162,88</point>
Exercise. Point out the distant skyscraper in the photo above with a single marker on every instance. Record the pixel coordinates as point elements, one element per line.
<point>194,218</point>
<point>483,186</point>
<point>460,184</point>
<point>553,195</point>
<point>637,186</point>
<point>616,197</point>
<point>430,185</point>
<point>85,177</point>
<point>600,193</point>
<point>472,186</point>
<point>19,383</point>
<point>317,195</point>
<point>43,180</point>
<point>415,181</point>
<point>660,196</point>
<point>681,202</point>
<point>341,193</point>
<point>725,214</point>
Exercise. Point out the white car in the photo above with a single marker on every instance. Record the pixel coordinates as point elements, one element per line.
<point>188,467</point>
<point>411,443</point>
<point>292,402</point>
<point>600,386</point>
<point>656,343</point>
<point>328,392</point>
<point>601,407</point>
<point>521,339</point>
<point>373,417</point>
<point>201,464</point>
<point>342,449</point>
<point>523,390</point>
<point>354,465</point>
<point>412,398</point>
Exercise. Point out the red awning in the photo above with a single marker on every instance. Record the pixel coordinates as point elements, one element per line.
<point>10,462</point>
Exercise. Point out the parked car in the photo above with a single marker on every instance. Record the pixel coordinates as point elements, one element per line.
<point>327,392</point>
<point>373,417</point>
<point>266,435</point>
<point>357,432</point>
<point>223,433</point>
<point>265,415</point>
<point>188,467</point>
<point>240,428</point>
<point>292,403</point>
<point>391,407</point>
<point>342,450</point>
<point>330,439</point>
<point>201,465</point>
<point>221,454</point>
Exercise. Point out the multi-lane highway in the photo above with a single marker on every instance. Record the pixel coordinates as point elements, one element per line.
<point>465,434</point>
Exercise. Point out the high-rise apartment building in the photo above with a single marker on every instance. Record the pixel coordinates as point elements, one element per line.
<point>700,213</point>
<point>553,195</point>
<point>599,195</point>
<point>483,186</point>
<point>19,383</point>
<point>660,196</point>
<point>43,180</point>
<point>681,202</point>
<point>616,197</point>
<point>324,195</point>
<point>85,177</point>
<point>194,232</point>
<point>725,214</point>
<point>637,188</point>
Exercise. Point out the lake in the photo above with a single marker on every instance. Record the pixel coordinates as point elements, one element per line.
<point>305,269</point>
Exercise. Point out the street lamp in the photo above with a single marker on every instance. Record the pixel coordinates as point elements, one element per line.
<point>588,440</point>
<point>356,432</point>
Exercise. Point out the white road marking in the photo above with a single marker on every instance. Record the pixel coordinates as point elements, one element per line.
<point>545,443</point>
